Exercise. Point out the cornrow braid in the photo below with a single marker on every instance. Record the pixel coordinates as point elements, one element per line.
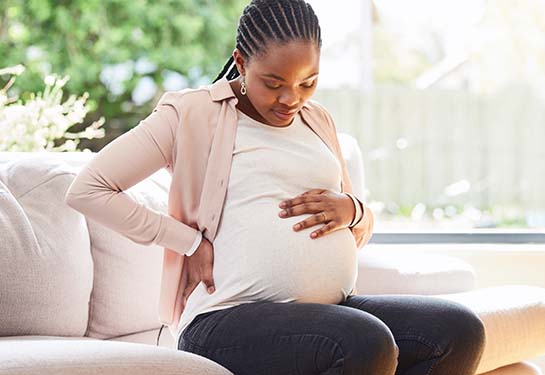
<point>264,21</point>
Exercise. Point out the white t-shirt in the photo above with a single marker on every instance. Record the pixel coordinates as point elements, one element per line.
<point>257,254</point>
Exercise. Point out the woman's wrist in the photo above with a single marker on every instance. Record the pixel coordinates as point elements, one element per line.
<point>358,211</point>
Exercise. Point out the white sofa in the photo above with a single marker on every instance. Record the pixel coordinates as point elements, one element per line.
<point>78,298</point>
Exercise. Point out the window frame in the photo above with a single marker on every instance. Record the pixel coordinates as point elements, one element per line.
<point>423,237</point>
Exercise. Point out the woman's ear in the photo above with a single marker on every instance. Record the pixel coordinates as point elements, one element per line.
<point>239,61</point>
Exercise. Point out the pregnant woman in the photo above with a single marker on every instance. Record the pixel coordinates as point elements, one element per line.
<point>262,235</point>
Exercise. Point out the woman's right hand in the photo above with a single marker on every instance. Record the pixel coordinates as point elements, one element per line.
<point>199,268</point>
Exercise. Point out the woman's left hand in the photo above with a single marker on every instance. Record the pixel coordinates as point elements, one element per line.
<point>333,209</point>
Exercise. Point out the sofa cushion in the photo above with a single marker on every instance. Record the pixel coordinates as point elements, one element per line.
<point>514,320</point>
<point>150,337</point>
<point>411,273</point>
<point>46,266</point>
<point>85,356</point>
<point>127,274</point>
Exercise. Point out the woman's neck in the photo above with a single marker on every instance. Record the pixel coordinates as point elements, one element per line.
<point>244,103</point>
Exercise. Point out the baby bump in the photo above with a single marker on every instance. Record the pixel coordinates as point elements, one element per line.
<point>274,262</point>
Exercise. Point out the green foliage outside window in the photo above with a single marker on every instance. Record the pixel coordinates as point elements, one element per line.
<point>108,47</point>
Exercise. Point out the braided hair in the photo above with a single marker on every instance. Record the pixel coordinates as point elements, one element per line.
<point>264,21</point>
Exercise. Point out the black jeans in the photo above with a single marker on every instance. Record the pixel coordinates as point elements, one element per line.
<point>364,335</point>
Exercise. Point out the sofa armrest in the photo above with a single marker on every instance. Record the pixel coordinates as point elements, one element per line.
<point>412,273</point>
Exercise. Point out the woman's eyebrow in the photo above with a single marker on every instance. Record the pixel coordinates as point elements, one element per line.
<point>283,80</point>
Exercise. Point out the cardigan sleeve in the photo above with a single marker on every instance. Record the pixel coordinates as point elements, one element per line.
<point>363,230</point>
<point>98,189</point>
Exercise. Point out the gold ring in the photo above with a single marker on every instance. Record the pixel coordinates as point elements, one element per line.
<point>323,215</point>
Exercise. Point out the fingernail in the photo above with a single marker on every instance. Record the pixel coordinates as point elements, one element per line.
<point>211,290</point>
<point>282,205</point>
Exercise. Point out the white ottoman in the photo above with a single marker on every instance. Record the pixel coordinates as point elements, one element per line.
<point>412,273</point>
<point>521,368</point>
<point>514,320</point>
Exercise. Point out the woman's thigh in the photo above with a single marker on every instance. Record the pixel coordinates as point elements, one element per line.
<point>293,338</point>
<point>431,333</point>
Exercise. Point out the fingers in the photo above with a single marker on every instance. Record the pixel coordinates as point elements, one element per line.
<point>207,275</point>
<point>310,205</point>
<point>188,290</point>
<point>314,220</point>
<point>318,202</point>
<point>200,266</point>
<point>328,228</point>
<point>309,196</point>
<point>210,287</point>
<point>314,191</point>
<point>208,280</point>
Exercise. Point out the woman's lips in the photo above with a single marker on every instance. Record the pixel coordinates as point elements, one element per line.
<point>284,116</point>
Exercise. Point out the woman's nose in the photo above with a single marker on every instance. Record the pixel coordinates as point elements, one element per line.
<point>289,99</point>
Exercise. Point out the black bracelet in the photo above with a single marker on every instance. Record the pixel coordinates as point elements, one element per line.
<point>355,201</point>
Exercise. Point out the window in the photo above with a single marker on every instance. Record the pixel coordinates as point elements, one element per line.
<point>447,102</point>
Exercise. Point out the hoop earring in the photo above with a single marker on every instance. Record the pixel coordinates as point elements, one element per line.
<point>243,87</point>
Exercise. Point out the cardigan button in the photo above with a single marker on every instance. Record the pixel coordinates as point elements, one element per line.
<point>221,183</point>
<point>213,216</point>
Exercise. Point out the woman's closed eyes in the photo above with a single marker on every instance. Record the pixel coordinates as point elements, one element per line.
<point>275,87</point>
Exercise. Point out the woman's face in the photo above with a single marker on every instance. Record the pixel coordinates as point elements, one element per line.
<point>280,81</point>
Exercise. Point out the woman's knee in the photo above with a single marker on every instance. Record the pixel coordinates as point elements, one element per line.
<point>369,347</point>
<point>467,330</point>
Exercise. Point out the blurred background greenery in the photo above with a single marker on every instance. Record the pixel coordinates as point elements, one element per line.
<point>445,98</point>
<point>124,53</point>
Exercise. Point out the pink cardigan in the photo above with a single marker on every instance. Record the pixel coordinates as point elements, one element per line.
<point>191,133</point>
